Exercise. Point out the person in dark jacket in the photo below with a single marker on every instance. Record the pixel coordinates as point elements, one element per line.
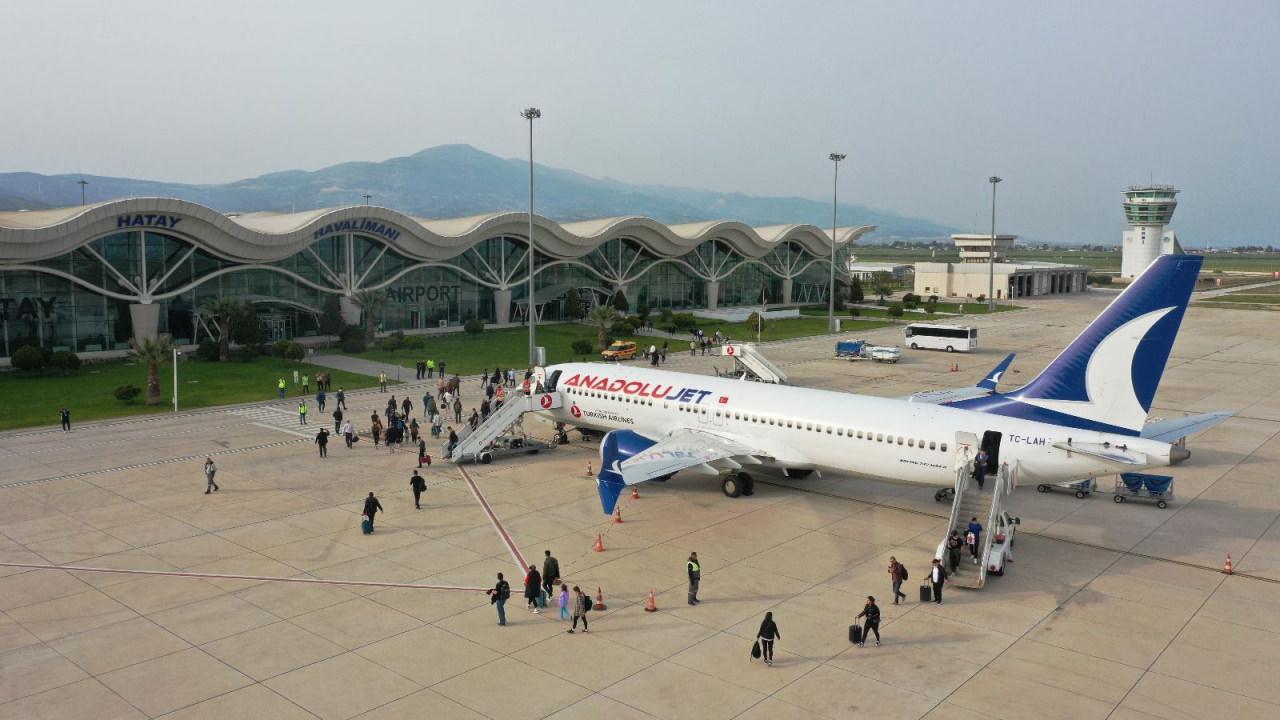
<point>896,577</point>
<point>419,486</point>
<point>872,623</point>
<point>322,441</point>
<point>337,421</point>
<point>532,588</point>
<point>499,596</point>
<point>371,507</point>
<point>768,633</point>
<point>550,573</point>
<point>954,543</point>
<point>65,415</point>
<point>937,578</point>
<point>453,442</point>
<point>695,577</point>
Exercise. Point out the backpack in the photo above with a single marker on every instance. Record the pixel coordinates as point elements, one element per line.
<point>903,569</point>
<point>586,603</point>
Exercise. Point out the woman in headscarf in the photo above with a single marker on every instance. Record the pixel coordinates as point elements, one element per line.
<point>768,633</point>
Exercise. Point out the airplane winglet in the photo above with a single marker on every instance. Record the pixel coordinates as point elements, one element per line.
<point>993,378</point>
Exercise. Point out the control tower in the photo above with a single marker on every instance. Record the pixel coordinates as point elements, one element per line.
<point>1147,209</point>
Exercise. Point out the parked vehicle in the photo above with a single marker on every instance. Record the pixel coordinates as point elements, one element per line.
<point>620,350</point>
<point>861,350</point>
<point>952,338</point>
<point>1002,545</point>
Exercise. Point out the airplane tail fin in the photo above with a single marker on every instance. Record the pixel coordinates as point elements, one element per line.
<point>617,445</point>
<point>1107,377</point>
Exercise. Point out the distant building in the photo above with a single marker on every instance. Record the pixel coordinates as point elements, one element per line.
<point>1147,209</point>
<point>969,277</point>
<point>866,270</point>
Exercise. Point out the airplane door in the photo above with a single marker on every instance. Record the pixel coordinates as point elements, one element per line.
<point>991,443</point>
<point>966,449</point>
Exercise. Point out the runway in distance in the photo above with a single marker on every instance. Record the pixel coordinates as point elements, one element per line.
<point>1084,415</point>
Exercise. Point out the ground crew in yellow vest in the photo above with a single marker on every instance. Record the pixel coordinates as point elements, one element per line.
<point>695,575</point>
<point>302,412</point>
<point>281,386</point>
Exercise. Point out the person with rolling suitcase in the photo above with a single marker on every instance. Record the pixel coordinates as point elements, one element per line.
<point>371,508</point>
<point>872,623</point>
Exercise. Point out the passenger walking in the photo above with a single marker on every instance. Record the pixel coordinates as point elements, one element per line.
<point>210,469</point>
<point>474,420</point>
<point>453,443</point>
<point>695,577</point>
<point>532,589</point>
<point>371,507</point>
<point>767,634</point>
<point>302,412</point>
<point>498,598</point>
<point>564,601</point>
<point>871,612</point>
<point>407,406</point>
<point>375,429</point>
<point>348,433</point>
<point>65,415</point>
<point>419,486</point>
<point>954,543</point>
<point>320,398</point>
<point>980,468</point>
<point>457,410</point>
<point>337,420</point>
<point>382,381</point>
<point>937,577</point>
<point>280,387</point>
<point>342,399</point>
<point>423,455</point>
<point>550,572</point>
<point>322,441</point>
<point>581,606</point>
<point>441,367</point>
<point>973,537</point>
<point>897,573</point>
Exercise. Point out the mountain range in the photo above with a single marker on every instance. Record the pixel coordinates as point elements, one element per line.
<point>456,181</point>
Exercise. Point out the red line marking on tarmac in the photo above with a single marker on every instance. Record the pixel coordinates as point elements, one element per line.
<point>220,576</point>
<point>521,564</point>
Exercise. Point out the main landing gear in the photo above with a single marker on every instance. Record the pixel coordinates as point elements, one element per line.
<point>944,495</point>
<point>737,483</point>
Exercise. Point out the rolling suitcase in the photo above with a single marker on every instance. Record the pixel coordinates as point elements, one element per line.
<point>366,525</point>
<point>855,634</point>
<point>926,593</point>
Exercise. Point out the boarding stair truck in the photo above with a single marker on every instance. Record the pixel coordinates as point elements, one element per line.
<point>750,364</point>
<point>986,504</point>
<point>503,431</point>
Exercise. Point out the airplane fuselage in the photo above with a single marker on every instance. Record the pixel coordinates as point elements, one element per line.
<point>802,428</point>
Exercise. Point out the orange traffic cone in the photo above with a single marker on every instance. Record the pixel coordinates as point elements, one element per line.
<point>599,599</point>
<point>652,604</point>
<point>1226,567</point>
<point>599,547</point>
<point>589,473</point>
<point>617,515</point>
<point>635,492</point>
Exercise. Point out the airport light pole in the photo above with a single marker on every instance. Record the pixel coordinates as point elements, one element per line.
<point>367,198</point>
<point>991,252</point>
<point>831,289</point>
<point>531,114</point>
<point>82,182</point>
<point>176,354</point>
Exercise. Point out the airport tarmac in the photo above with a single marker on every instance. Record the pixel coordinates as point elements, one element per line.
<point>1109,610</point>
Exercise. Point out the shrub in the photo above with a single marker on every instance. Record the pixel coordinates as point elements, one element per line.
<point>684,321</point>
<point>245,353</point>
<point>1099,279</point>
<point>279,348</point>
<point>981,298</point>
<point>852,312</point>
<point>28,358</point>
<point>207,351</point>
<point>128,393</point>
<point>390,344</point>
<point>621,327</point>
<point>895,310</point>
<point>855,291</point>
<point>910,299</point>
<point>474,326</point>
<point>582,348</point>
<point>353,343</point>
<point>931,307</point>
<point>642,310</point>
<point>295,352</point>
<point>413,342</point>
<point>620,302</point>
<point>933,299</point>
<point>665,315</point>
<point>65,360</point>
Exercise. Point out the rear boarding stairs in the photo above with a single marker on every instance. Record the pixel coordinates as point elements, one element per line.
<point>986,504</point>
<point>503,431</point>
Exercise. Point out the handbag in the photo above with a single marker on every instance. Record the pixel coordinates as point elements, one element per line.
<point>755,650</point>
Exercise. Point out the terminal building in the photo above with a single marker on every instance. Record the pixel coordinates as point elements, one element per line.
<point>89,278</point>
<point>969,278</point>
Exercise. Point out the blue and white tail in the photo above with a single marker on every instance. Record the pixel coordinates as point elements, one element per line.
<point>1107,377</point>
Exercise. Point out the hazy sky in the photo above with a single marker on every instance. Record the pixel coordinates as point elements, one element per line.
<point>1069,102</point>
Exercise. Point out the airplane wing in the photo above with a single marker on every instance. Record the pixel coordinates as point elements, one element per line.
<point>986,386</point>
<point>683,448</point>
<point>1176,428</point>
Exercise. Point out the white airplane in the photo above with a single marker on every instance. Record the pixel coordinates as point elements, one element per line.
<point>1083,416</point>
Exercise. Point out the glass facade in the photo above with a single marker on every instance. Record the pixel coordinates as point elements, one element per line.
<point>80,301</point>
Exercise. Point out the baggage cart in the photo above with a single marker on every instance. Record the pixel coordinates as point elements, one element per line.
<point>1144,487</point>
<point>1082,488</point>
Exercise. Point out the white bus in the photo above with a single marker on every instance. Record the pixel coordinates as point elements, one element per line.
<point>952,338</point>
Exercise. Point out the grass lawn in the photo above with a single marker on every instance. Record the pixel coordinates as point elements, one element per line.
<point>509,347</point>
<point>1249,298</point>
<point>88,393</point>
<point>1098,260</point>
<point>970,308</point>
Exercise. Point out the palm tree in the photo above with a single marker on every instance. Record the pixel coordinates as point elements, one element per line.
<point>222,309</point>
<point>601,318</point>
<point>369,302</point>
<point>154,352</point>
